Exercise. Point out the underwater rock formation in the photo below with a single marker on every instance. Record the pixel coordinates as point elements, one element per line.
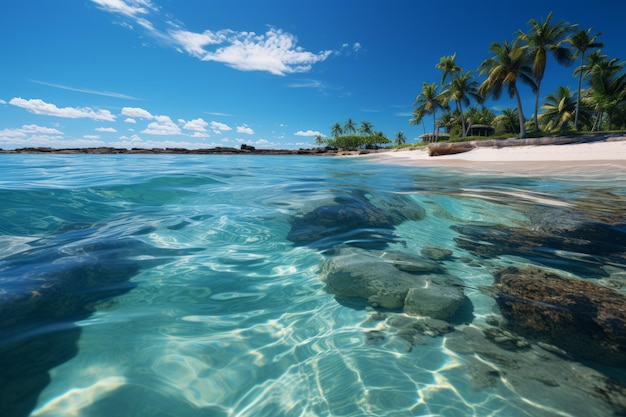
<point>355,220</point>
<point>394,280</point>
<point>580,317</point>
<point>581,248</point>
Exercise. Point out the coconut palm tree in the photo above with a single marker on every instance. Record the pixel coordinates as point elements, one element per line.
<point>400,138</point>
<point>349,127</point>
<point>319,141</point>
<point>366,128</point>
<point>543,37</point>
<point>429,101</point>
<point>608,84</point>
<point>336,130</point>
<point>462,89</point>
<point>558,110</point>
<point>582,41</point>
<point>508,120</point>
<point>509,64</point>
<point>448,66</point>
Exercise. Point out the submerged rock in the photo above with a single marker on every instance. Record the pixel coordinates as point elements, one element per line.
<point>580,317</point>
<point>394,280</point>
<point>583,249</point>
<point>356,219</point>
<point>538,372</point>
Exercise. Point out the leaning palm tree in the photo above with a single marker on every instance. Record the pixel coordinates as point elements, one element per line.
<point>509,64</point>
<point>542,38</point>
<point>582,41</point>
<point>336,130</point>
<point>349,127</point>
<point>449,67</point>
<point>366,128</point>
<point>462,89</point>
<point>319,141</point>
<point>558,110</point>
<point>400,138</point>
<point>429,101</point>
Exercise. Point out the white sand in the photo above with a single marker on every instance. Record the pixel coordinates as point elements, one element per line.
<point>519,158</point>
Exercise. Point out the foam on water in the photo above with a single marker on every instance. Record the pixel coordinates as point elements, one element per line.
<point>174,290</point>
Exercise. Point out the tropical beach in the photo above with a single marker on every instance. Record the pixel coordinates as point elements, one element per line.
<point>390,209</point>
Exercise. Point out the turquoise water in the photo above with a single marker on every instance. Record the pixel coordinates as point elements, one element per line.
<point>184,286</point>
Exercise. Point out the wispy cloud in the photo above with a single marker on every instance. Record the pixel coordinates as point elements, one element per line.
<point>218,127</point>
<point>38,106</point>
<point>308,133</point>
<point>245,129</point>
<point>106,129</point>
<point>274,51</point>
<point>87,91</point>
<point>162,125</point>
<point>136,112</point>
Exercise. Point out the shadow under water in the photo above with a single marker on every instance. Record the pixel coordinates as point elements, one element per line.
<point>46,290</point>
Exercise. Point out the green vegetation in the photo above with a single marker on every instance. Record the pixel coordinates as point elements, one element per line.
<point>346,137</point>
<point>522,61</point>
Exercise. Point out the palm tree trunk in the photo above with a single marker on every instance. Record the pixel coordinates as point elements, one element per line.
<point>580,82</point>
<point>435,132</point>
<point>462,117</point>
<point>522,128</point>
<point>537,106</point>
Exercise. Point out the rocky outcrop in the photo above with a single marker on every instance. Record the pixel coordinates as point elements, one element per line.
<point>584,319</point>
<point>394,280</point>
<point>438,149</point>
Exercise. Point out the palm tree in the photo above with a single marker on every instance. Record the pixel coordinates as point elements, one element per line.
<point>462,88</point>
<point>541,39</point>
<point>429,101</point>
<point>608,84</point>
<point>336,130</point>
<point>582,41</point>
<point>366,128</point>
<point>349,127</point>
<point>509,120</point>
<point>559,109</point>
<point>400,138</point>
<point>508,65</point>
<point>319,141</point>
<point>448,66</point>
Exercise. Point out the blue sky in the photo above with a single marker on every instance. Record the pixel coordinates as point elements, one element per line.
<point>198,74</point>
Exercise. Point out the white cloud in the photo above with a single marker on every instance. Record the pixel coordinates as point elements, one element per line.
<point>136,112</point>
<point>356,47</point>
<point>194,43</point>
<point>218,127</point>
<point>105,129</point>
<point>308,133</point>
<point>245,129</point>
<point>39,106</point>
<point>275,52</point>
<point>40,136</point>
<point>87,91</point>
<point>162,126</point>
<point>199,135</point>
<point>2,101</point>
<point>130,8</point>
<point>130,120</point>
<point>197,125</point>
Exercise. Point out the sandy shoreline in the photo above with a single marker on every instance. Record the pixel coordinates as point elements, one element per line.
<point>611,152</point>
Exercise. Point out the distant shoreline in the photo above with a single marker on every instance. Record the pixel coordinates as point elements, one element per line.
<point>248,150</point>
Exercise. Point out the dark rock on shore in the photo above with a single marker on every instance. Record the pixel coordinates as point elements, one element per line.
<point>580,317</point>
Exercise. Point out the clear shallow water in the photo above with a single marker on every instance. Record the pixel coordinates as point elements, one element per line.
<point>167,286</point>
